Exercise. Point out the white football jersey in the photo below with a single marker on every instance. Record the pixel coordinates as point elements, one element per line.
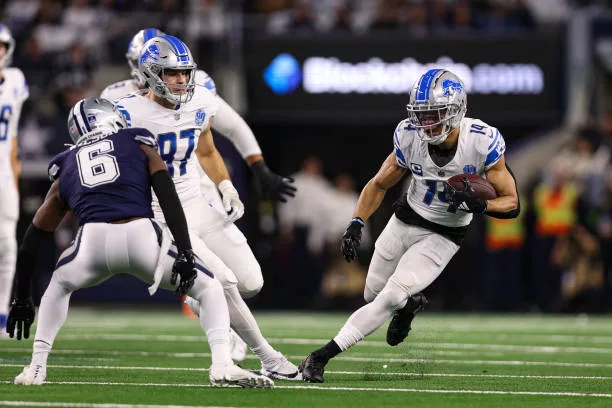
<point>479,147</point>
<point>177,131</point>
<point>13,92</point>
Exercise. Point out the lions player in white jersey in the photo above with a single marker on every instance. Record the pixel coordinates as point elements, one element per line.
<point>180,114</point>
<point>225,239</point>
<point>435,143</point>
<point>13,92</point>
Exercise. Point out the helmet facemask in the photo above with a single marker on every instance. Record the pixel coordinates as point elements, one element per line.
<point>435,123</point>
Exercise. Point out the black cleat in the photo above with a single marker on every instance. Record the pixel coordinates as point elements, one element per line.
<point>400,324</point>
<point>312,369</point>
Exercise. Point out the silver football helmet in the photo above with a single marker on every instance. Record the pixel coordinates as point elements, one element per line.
<point>167,53</point>
<point>438,102</point>
<point>133,52</point>
<point>7,38</point>
<point>94,116</point>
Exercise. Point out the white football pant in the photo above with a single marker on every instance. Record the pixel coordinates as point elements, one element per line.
<point>9,213</point>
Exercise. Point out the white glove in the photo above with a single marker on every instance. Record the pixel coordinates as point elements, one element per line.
<point>231,201</point>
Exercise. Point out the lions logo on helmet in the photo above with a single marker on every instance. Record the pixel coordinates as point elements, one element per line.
<point>7,39</point>
<point>167,53</point>
<point>133,52</point>
<point>437,104</point>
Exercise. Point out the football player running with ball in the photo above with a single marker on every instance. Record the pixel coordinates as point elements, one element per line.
<point>435,143</point>
<point>106,180</point>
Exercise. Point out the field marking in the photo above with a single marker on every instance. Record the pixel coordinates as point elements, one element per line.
<point>324,388</point>
<point>91,405</point>
<point>340,358</point>
<point>365,343</point>
<point>365,373</point>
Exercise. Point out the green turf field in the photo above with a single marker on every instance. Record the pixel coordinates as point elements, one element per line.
<point>134,359</point>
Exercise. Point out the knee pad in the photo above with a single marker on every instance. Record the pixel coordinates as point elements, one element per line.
<point>252,285</point>
<point>393,296</point>
<point>368,294</point>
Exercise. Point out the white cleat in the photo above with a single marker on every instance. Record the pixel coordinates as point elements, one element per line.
<point>32,375</point>
<point>238,347</point>
<point>234,375</point>
<point>282,369</point>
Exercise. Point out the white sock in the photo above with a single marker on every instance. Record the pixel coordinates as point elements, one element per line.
<point>363,322</point>
<point>214,320</point>
<point>52,315</point>
<point>243,322</point>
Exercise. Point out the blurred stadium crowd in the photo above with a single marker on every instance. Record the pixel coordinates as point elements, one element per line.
<point>556,257</point>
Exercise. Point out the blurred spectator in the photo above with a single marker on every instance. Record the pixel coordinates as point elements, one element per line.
<point>19,15</point>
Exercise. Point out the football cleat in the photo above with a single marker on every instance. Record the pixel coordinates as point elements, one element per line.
<point>237,345</point>
<point>312,369</point>
<point>400,324</point>
<point>234,375</point>
<point>32,375</point>
<point>282,369</point>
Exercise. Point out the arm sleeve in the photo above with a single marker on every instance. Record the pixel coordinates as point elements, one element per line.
<point>231,125</point>
<point>26,259</point>
<point>172,209</point>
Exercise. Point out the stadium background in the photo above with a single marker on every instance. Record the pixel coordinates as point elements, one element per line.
<point>539,72</point>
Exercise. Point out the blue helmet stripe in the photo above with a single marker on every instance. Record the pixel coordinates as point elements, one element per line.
<point>150,33</point>
<point>76,122</point>
<point>84,117</point>
<point>425,84</point>
<point>177,45</point>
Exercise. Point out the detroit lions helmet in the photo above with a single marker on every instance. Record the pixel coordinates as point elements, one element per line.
<point>438,103</point>
<point>7,38</point>
<point>167,53</point>
<point>134,49</point>
<point>94,114</point>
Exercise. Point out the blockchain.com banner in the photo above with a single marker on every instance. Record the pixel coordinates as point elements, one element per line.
<point>369,79</point>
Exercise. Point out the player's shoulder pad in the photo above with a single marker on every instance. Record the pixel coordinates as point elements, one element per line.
<point>141,136</point>
<point>489,141</point>
<point>18,83</point>
<point>56,163</point>
<point>205,80</point>
<point>402,137</point>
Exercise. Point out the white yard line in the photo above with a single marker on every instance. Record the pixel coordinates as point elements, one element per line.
<point>308,387</point>
<point>340,358</point>
<point>92,405</point>
<point>365,373</point>
<point>366,343</point>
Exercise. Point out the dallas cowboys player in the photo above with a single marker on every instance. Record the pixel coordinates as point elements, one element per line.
<point>13,93</point>
<point>179,114</point>
<point>435,143</point>
<point>106,180</point>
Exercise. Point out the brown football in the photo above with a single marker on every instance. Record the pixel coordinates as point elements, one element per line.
<point>481,186</point>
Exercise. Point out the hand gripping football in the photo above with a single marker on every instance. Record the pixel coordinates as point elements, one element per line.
<point>481,186</point>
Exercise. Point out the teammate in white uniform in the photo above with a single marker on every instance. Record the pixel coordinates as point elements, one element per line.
<point>13,92</point>
<point>435,143</point>
<point>179,114</point>
<point>225,239</point>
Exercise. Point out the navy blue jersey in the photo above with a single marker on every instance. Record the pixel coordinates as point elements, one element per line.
<point>104,179</point>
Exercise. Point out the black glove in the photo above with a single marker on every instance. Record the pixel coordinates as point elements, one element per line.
<point>21,314</point>
<point>184,266</point>
<point>351,239</point>
<point>271,185</point>
<point>467,196</point>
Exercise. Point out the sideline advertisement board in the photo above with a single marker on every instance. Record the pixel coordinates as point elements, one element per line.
<point>340,79</point>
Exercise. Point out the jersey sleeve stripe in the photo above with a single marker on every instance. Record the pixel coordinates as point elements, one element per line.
<point>495,139</point>
<point>494,155</point>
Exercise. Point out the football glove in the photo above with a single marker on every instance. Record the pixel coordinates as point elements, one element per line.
<point>21,315</point>
<point>466,199</point>
<point>184,266</point>
<point>351,239</point>
<point>270,185</point>
<point>231,201</point>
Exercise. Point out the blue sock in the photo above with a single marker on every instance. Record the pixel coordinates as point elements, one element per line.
<point>2,321</point>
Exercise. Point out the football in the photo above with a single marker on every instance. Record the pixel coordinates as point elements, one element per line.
<point>481,186</point>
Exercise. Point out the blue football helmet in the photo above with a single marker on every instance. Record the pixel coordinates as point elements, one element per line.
<point>437,105</point>
<point>133,52</point>
<point>167,53</point>
<point>6,38</point>
<point>94,115</point>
